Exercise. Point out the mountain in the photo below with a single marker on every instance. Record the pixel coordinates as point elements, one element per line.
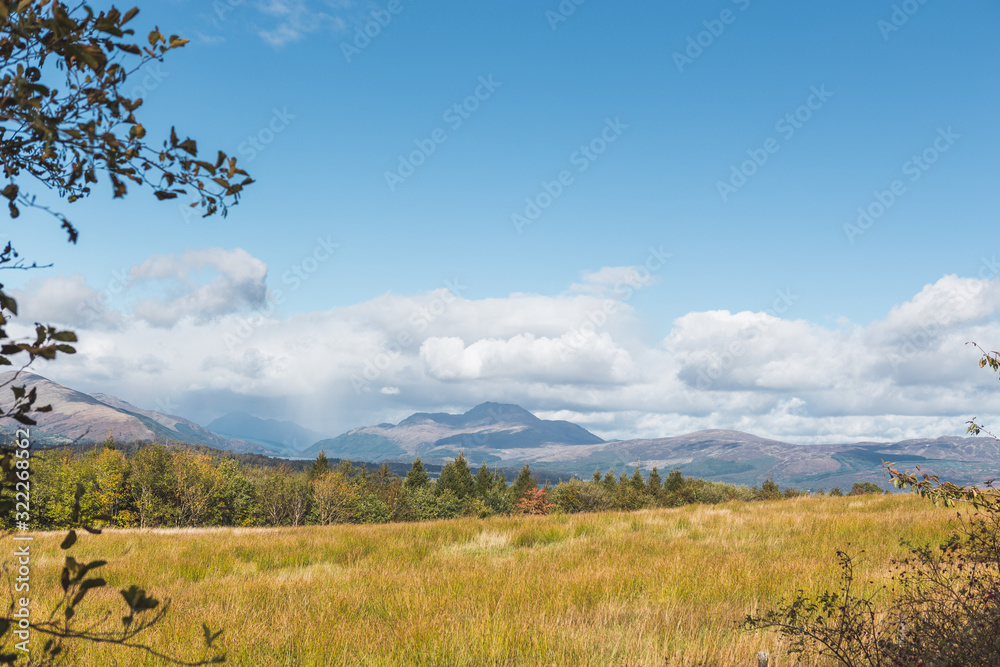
<point>508,435</point>
<point>282,436</point>
<point>79,417</point>
<point>490,432</point>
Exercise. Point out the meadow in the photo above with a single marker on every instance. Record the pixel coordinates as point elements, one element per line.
<point>649,587</point>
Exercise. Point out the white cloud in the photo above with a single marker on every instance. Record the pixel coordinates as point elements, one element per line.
<point>614,280</point>
<point>906,375</point>
<point>239,281</point>
<point>67,301</point>
<point>292,20</point>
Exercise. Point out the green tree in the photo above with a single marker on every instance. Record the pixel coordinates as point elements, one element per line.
<point>865,488</point>
<point>65,125</point>
<point>485,481</point>
<point>596,478</point>
<point>456,477</point>
<point>417,477</point>
<point>335,498</point>
<point>525,480</point>
<point>638,482</point>
<point>769,490</point>
<point>238,505</point>
<point>654,483</point>
<point>320,466</point>
<point>150,484</point>
<point>675,480</point>
<point>610,482</point>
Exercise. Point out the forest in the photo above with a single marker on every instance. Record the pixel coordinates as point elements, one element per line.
<point>174,485</point>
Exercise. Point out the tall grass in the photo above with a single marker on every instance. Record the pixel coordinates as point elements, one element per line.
<point>652,587</point>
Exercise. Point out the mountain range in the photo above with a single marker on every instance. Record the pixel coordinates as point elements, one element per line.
<point>506,435</point>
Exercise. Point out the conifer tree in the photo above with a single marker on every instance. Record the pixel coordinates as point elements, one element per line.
<point>484,481</point>
<point>417,478</point>
<point>638,482</point>
<point>610,481</point>
<point>500,480</point>
<point>655,484</point>
<point>597,475</point>
<point>319,466</point>
<point>457,477</point>
<point>675,480</point>
<point>525,480</point>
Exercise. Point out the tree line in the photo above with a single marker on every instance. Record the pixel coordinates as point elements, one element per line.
<point>175,486</point>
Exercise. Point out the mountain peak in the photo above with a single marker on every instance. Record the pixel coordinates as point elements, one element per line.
<point>498,413</point>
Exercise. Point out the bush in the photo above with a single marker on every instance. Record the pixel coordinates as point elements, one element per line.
<point>865,488</point>
<point>534,502</point>
<point>943,612</point>
<point>594,498</point>
<point>566,496</point>
<point>944,609</point>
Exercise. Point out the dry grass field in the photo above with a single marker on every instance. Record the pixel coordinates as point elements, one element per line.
<point>654,587</point>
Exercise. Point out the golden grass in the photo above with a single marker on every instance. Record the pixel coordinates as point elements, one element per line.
<point>654,587</point>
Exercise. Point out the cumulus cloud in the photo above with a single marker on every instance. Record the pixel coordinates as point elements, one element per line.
<point>589,359</point>
<point>69,301</point>
<point>573,355</point>
<point>239,281</point>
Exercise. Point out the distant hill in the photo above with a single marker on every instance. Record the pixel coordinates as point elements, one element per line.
<point>508,436</point>
<point>486,433</point>
<point>282,436</point>
<point>79,417</point>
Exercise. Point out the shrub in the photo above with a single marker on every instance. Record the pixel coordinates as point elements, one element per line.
<point>566,496</point>
<point>865,488</point>
<point>534,502</point>
<point>944,609</point>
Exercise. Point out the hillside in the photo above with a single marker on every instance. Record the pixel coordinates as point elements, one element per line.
<point>281,436</point>
<point>508,436</point>
<point>77,417</point>
<point>490,433</point>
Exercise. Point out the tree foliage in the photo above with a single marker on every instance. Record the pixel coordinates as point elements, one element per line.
<point>66,125</point>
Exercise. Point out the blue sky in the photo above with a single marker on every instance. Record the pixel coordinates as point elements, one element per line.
<point>833,102</point>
